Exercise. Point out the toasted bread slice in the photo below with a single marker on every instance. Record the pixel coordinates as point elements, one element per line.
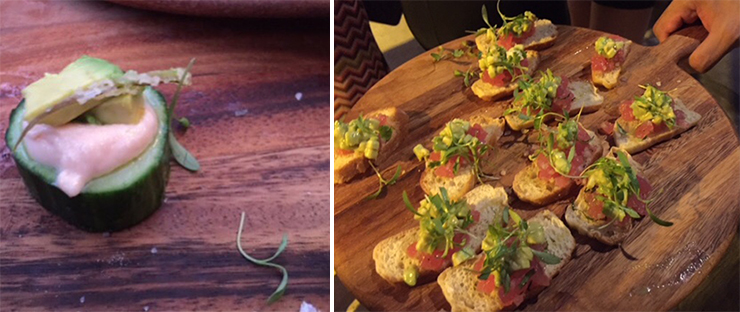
<point>459,284</point>
<point>465,179</point>
<point>634,145</point>
<point>544,36</point>
<point>348,166</point>
<point>489,92</point>
<point>577,219</point>
<point>610,79</point>
<point>587,100</point>
<point>391,257</point>
<point>530,188</point>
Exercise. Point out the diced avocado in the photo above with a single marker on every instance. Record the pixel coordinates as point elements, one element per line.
<point>53,89</point>
<point>410,274</point>
<point>123,109</point>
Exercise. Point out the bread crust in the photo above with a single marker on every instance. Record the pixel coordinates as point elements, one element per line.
<point>488,92</point>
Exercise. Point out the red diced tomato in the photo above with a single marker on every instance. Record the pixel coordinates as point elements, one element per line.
<point>448,170</point>
<point>625,109</point>
<point>343,152</point>
<point>595,206</point>
<point>478,132</point>
<point>644,129</point>
<point>600,64</point>
<point>500,80</point>
<point>435,156</point>
<point>383,120</point>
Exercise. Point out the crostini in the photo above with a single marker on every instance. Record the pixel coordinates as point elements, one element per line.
<point>606,64</point>
<point>370,138</point>
<point>550,93</point>
<point>500,70</point>
<point>650,119</point>
<point>616,193</point>
<point>519,259</point>
<point>419,254</point>
<point>453,163</point>
<point>565,151</point>
<point>525,29</point>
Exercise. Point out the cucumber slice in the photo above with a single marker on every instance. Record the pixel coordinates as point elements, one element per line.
<point>112,202</point>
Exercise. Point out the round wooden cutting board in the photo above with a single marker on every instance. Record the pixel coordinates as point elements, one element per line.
<point>695,177</point>
<point>258,109</point>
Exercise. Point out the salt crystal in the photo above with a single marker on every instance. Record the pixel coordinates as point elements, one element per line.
<point>154,250</point>
<point>298,96</point>
<point>82,299</point>
<point>307,307</point>
<point>146,308</point>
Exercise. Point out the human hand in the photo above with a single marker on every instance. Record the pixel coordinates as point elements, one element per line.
<point>719,17</point>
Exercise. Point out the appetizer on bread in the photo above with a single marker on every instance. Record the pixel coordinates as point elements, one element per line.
<point>519,259</point>
<point>500,69</point>
<point>418,254</point>
<point>525,29</point>
<point>565,151</point>
<point>370,138</point>
<point>650,119</point>
<point>551,93</point>
<point>453,163</point>
<point>606,65</point>
<point>615,194</point>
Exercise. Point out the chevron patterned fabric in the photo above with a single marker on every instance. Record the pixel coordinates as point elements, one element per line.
<point>358,62</point>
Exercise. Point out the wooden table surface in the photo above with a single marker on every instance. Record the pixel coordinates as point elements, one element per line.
<point>259,108</point>
<point>695,177</point>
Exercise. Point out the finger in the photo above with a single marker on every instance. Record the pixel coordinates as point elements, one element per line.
<point>711,50</point>
<point>677,13</point>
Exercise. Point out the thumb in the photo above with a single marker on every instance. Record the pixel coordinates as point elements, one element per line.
<point>711,49</point>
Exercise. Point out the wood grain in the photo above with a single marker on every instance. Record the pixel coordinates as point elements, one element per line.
<point>262,151</point>
<point>696,176</point>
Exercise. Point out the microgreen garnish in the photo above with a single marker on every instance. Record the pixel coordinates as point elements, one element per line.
<point>534,98</point>
<point>455,143</point>
<point>383,182</point>
<point>517,24</point>
<point>558,144</point>
<point>467,75</point>
<point>613,182</point>
<point>179,152</point>
<point>497,60</point>
<point>439,220</point>
<point>507,248</point>
<point>443,54</point>
<point>361,135</point>
<point>266,262</point>
<point>655,106</point>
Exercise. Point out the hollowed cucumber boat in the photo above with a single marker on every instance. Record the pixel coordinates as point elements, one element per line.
<point>119,191</point>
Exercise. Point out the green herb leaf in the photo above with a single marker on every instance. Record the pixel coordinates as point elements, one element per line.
<point>546,257</point>
<point>386,132</point>
<point>484,12</point>
<point>657,220</point>
<point>632,213</point>
<point>266,262</point>
<point>184,122</point>
<point>526,278</point>
<point>395,177</point>
<point>458,73</point>
<point>458,53</point>
<point>408,204</point>
<point>436,57</point>
<point>506,215</point>
<point>183,157</point>
<point>90,119</point>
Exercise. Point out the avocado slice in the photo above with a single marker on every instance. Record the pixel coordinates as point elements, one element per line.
<point>85,74</point>
<point>122,109</point>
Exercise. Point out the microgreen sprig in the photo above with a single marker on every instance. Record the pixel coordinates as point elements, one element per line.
<point>439,220</point>
<point>505,241</point>
<point>621,183</point>
<point>383,182</point>
<point>266,262</point>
